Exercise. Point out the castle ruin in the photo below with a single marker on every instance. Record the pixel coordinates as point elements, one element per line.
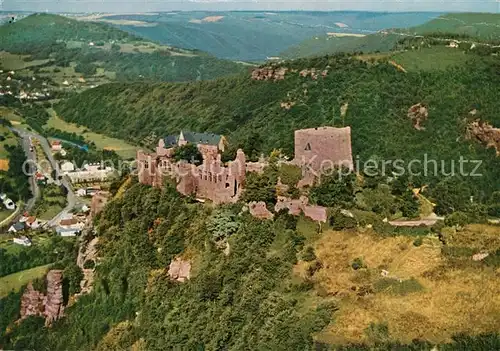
<point>315,150</point>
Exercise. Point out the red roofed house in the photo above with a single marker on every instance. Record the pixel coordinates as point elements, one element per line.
<point>56,145</point>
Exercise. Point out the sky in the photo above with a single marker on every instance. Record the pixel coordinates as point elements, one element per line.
<point>136,6</point>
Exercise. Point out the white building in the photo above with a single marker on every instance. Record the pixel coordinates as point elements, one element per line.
<point>67,231</point>
<point>8,203</point>
<point>67,167</point>
<point>22,240</point>
<point>91,173</point>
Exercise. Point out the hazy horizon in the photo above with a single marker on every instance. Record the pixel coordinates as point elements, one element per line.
<point>145,6</point>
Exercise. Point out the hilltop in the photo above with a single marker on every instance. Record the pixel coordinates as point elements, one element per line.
<point>67,48</point>
<point>483,26</point>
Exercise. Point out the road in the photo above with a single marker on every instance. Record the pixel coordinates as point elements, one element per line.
<point>71,199</point>
<point>35,190</point>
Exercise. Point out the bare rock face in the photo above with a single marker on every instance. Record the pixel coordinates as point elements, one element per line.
<point>32,302</point>
<point>269,73</point>
<point>418,114</point>
<point>179,270</point>
<point>485,133</point>
<point>50,306</point>
<point>54,306</point>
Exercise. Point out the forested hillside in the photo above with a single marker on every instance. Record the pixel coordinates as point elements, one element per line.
<point>263,285</point>
<point>378,94</point>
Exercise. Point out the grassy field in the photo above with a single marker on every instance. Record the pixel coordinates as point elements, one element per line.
<point>102,142</point>
<point>428,59</point>
<point>14,62</point>
<point>9,114</point>
<point>15,281</point>
<point>424,293</point>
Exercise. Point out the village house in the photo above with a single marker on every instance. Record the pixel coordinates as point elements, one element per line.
<point>30,221</point>
<point>67,167</point>
<point>56,146</point>
<point>8,203</point>
<point>22,240</point>
<point>17,227</point>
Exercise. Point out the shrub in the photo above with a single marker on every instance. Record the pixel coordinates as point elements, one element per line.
<point>418,242</point>
<point>89,264</point>
<point>358,264</point>
<point>339,221</point>
<point>308,255</point>
<point>456,219</point>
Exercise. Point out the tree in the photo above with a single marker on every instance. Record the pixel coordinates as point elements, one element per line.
<point>260,187</point>
<point>335,190</point>
<point>188,152</point>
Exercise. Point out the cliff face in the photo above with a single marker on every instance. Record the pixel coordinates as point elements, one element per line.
<point>54,306</point>
<point>418,114</point>
<point>485,133</point>
<point>32,302</point>
<point>50,306</point>
<point>269,73</point>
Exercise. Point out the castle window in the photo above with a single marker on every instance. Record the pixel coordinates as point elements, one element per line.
<point>308,147</point>
<point>146,165</point>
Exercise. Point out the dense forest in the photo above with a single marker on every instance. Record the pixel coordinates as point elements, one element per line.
<point>243,294</point>
<point>250,114</point>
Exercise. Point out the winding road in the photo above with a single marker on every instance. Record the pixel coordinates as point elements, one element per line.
<point>72,199</point>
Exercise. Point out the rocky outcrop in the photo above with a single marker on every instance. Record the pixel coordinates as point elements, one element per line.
<point>49,306</point>
<point>485,133</point>
<point>269,73</point>
<point>418,114</point>
<point>296,207</point>
<point>259,210</point>
<point>179,270</point>
<point>54,306</point>
<point>32,302</point>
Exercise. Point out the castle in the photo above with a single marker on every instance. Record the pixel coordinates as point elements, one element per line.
<point>315,150</point>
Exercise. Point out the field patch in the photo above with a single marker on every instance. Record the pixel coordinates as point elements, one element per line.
<point>389,288</point>
<point>103,142</point>
<point>16,62</point>
<point>15,281</point>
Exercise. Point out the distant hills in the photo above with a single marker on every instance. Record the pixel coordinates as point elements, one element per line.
<point>254,36</point>
<point>484,26</point>
<point>477,26</point>
<point>68,46</point>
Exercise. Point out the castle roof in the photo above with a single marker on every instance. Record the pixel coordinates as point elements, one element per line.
<point>170,140</point>
<point>202,138</point>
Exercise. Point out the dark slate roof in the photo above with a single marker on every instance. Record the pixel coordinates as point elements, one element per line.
<point>202,138</point>
<point>19,226</point>
<point>170,140</point>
